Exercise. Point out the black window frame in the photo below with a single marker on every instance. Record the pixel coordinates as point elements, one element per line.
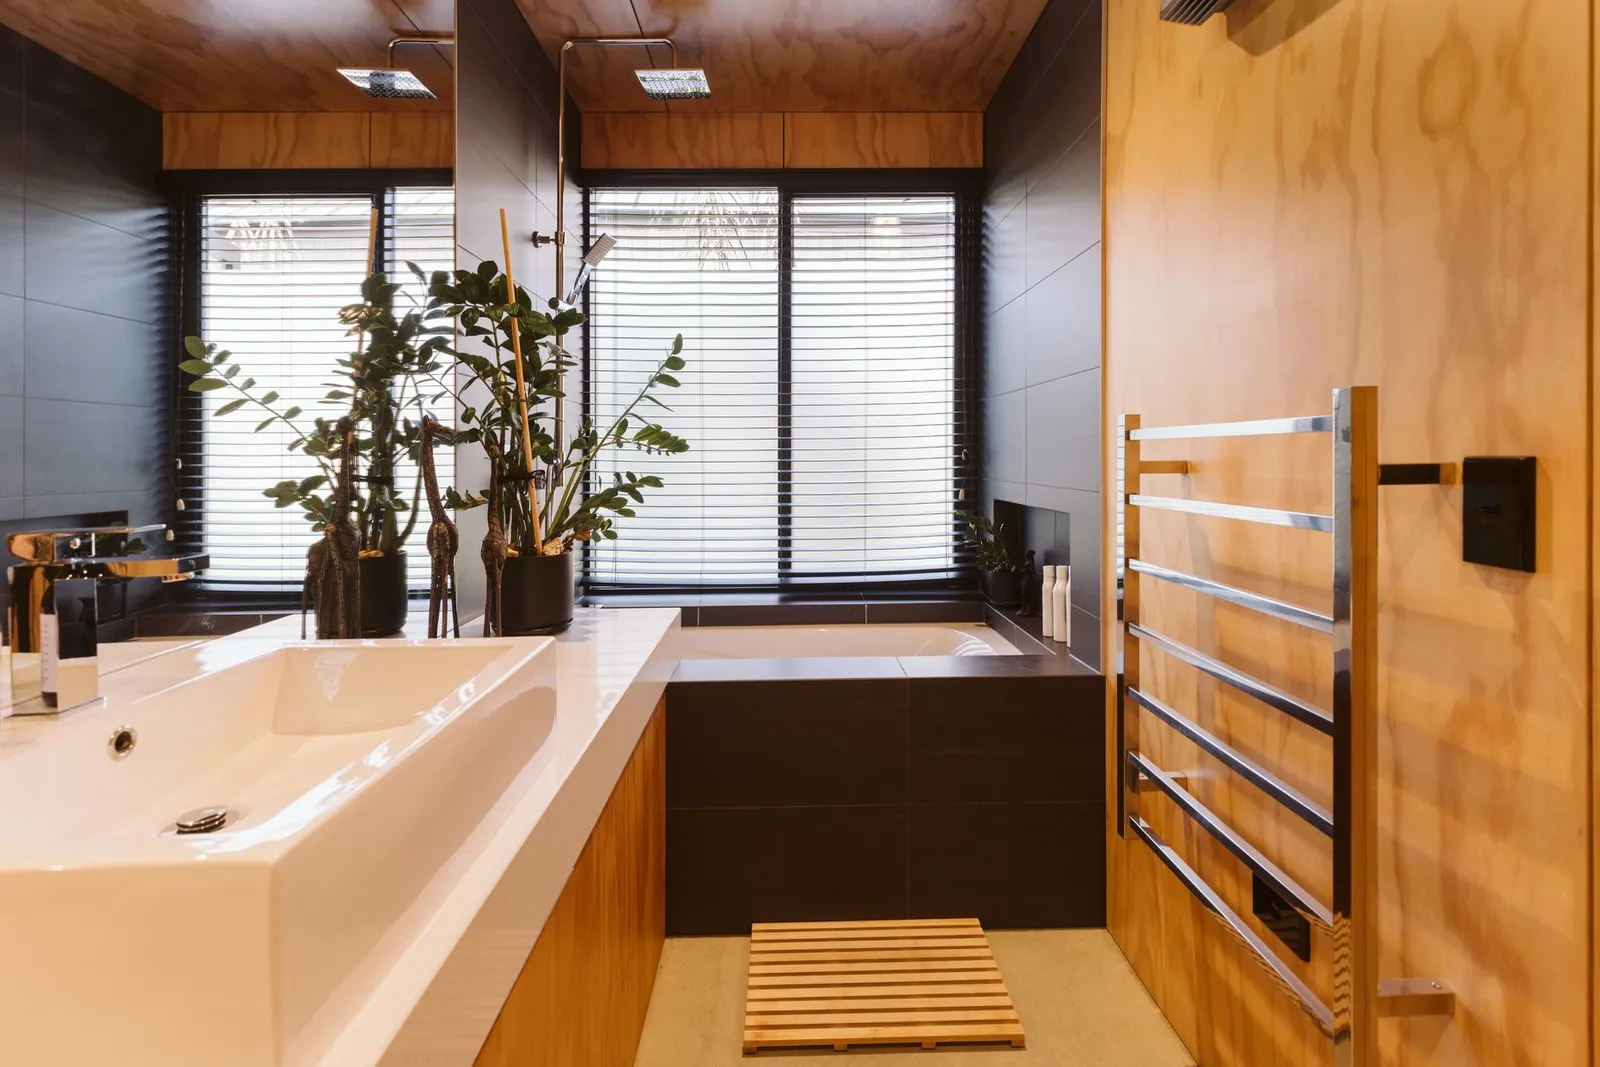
<point>966,188</point>
<point>188,189</point>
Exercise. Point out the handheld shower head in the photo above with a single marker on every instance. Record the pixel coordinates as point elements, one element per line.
<point>674,83</point>
<point>591,259</point>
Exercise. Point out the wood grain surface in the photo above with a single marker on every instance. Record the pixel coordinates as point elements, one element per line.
<point>796,55</point>
<point>582,995</point>
<point>1304,194</point>
<point>770,140</point>
<point>227,140</point>
<point>244,55</point>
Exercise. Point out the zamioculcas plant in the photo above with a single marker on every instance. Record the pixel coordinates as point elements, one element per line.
<point>573,510</point>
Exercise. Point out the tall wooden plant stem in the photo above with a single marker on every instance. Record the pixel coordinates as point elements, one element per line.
<point>522,392</point>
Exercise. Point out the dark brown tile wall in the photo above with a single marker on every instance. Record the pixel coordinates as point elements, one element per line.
<point>85,299</point>
<point>1042,331</point>
<point>955,786</point>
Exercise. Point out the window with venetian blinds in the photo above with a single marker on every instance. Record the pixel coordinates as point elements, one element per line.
<point>821,400</point>
<point>274,271</point>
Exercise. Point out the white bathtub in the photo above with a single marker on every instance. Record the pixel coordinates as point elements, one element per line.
<point>788,642</point>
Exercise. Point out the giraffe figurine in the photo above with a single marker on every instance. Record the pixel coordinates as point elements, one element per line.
<point>443,540</point>
<point>494,544</point>
<point>333,570</point>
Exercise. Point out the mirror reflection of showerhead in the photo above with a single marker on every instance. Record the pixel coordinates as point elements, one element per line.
<point>674,83</point>
<point>591,259</point>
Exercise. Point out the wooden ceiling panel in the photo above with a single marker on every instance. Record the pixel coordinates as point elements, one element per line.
<point>243,55</point>
<point>798,55</point>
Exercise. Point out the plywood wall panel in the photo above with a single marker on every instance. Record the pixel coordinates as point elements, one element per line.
<point>401,140</point>
<point>1305,194</point>
<point>255,140</point>
<point>650,141</point>
<point>883,139</point>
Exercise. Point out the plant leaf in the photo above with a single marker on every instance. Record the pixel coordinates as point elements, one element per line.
<point>229,408</point>
<point>195,366</point>
<point>206,385</point>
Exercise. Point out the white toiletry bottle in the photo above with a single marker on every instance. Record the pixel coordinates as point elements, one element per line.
<point>1046,591</point>
<point>1061,600</point>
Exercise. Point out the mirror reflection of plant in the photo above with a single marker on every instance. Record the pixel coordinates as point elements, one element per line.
<point>388,382</point>
<point>987,539</point>
<point>475,299</point>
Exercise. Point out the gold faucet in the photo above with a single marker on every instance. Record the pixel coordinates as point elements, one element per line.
<point>62,566</point>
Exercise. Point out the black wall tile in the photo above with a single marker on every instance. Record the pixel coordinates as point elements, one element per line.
<point>1063,320</point>
<point>1005,431</point>
<point>11,347</point>
<point>60,342</point>
<point>1064,432</point>
<point>756,744</point>
<point>1064,208</point>
<point>83,224</point>
<point>13,140</point>
<point>1006,348</point>
<point>728,868</point>
<point>1042,131</point>
<point>1010,865</point>
<point>110,180</point>
<point>11,452</point>
<point>75,447</point>
<point>915,611</point>
<point>993,739</point>
<point>79,263</point>
<point>13,262</point>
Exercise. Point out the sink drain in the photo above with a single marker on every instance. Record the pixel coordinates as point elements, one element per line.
<point>202,821</point>
<point>121,742</point>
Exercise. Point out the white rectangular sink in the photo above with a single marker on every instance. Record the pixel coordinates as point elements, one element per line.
<point>352,771</point>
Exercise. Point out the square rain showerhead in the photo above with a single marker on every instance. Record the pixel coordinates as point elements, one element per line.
<point>387,83</point>
<point>674,83</point>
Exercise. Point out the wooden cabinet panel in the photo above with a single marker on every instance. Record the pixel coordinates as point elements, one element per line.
<point>883,139</point>
<point>413,139</point>
<point>651,141</point>
<point>259,140</point>
<point>582,996</point>
<point>1302,195</point>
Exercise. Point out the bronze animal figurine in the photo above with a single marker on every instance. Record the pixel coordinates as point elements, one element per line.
<point>443,540</point>
<point>333,570</point>
<point>494,545</point>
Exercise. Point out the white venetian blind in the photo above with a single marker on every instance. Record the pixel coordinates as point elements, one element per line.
<point>820,396</point>
<point>274,272</point>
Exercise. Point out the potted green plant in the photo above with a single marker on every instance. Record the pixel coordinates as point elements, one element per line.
<point>537,521</point>
<point>385,382</point>
<point>999,573</point>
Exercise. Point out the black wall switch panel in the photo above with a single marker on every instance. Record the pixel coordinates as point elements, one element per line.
<point>1497,514</point>
<point>1279,916</point>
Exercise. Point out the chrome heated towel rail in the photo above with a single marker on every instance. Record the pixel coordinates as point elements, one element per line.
<point>1358,996</point>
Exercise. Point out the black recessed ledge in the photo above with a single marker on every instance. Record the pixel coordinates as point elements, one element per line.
<point>804,609</point>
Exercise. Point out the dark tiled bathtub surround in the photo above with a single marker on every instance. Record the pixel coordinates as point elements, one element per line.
<point>880,787</point>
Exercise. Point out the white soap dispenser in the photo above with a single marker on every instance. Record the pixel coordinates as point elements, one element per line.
<point>1047,613</point>
<point>1061,602</point>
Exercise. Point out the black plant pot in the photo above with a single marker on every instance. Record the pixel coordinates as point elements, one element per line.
<point>536,595</point>
<point>383,594</point>
<point>1003,589</point>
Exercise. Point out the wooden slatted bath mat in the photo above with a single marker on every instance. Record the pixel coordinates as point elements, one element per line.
<point>921,982</point>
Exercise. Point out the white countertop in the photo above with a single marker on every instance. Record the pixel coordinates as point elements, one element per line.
<point>430,994</point>
<point>431,988</point>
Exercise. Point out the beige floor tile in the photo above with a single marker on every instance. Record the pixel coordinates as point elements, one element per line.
<point>1080,1004</point>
